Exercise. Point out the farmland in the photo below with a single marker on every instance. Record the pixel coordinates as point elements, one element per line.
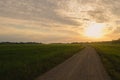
<point>110,55</point>
<point>27,61</point>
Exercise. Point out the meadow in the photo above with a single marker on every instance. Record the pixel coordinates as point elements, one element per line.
<point>27,61</point>
<point>110,56</point>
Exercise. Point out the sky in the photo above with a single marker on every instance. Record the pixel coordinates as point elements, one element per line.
<point>51,21</point>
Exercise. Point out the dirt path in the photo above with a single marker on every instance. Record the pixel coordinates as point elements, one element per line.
<point>85,65</point>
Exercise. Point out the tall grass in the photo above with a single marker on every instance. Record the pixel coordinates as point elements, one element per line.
<point>27,61</point>
<point>110,55</point>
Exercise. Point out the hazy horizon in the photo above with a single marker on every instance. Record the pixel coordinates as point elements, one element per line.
<point>53,21</point>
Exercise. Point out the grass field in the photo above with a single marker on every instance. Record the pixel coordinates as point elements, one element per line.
<point>110,55</point>
<point>27,61</point>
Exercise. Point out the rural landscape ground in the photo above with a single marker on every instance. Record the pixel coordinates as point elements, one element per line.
<point>110,56</point>
<point>27,61</point>
<point>93,61</point>
<point>84,65</point>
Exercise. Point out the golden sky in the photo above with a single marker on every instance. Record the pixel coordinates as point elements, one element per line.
<point>59,20</point>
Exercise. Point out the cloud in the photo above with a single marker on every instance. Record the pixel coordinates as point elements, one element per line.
<point>33,10</point>
<point>113,6</point>
<point>53,20</point>
<point>99,16</point>
<point>28,35</point>
<point>117,30</point>
<point>22,30</point>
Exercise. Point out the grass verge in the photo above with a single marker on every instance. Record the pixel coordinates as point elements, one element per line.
<point>27,61</point>
<point>110,56</point>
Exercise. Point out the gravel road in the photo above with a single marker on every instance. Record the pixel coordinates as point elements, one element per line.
<point>85,65</point>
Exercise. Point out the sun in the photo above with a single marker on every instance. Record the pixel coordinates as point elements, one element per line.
<point>95,30</point>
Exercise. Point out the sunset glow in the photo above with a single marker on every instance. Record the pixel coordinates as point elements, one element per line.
<point>95,30</point>
<point>51,21</point>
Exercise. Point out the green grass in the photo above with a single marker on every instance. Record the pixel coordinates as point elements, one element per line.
<point>27,61</point>
<point>110,55</point>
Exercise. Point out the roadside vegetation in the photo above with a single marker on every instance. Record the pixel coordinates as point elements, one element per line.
<point>27,61</point>
<point>110,55</point>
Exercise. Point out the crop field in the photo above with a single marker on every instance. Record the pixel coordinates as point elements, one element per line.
<point>27,61</point>
<point>110,55</point>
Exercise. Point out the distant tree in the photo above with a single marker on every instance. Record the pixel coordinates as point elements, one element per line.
<point>116,41</point>
<point>20,43</point>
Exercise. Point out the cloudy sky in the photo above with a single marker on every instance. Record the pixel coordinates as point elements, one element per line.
<point>58,20</point>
